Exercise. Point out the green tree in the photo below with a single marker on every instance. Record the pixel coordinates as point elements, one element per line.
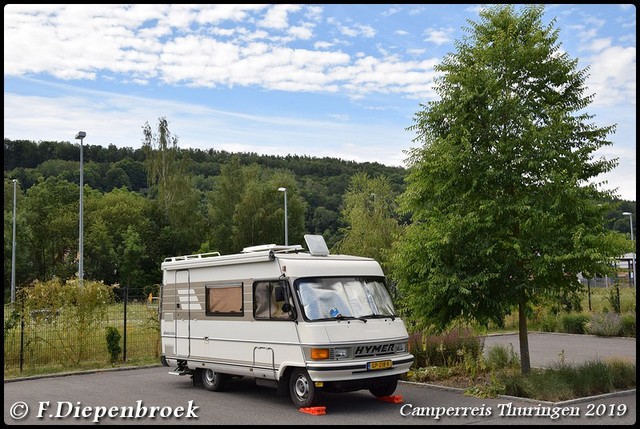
<point>504,213</point>
<point>131,253</point>
<point>50,213</point>
<point>246,209</point>
<point>222,203</point>
<point>170,180</point>
<point>369,212</point>
<point>110,218</point>
<point>259,215</point>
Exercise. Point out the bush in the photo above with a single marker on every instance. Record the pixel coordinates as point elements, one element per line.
<point>501,356</point>
<point>450,348</point>
<point>562,382</point>
<point>623,374</point>
<point>549,323</point>
<point>416,346</point>
<point>113,343</point>
<point>574,323</point>
<point>605,324</point>
<point>628,325</point>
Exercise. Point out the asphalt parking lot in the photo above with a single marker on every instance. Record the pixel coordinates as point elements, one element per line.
<point>546,348</point>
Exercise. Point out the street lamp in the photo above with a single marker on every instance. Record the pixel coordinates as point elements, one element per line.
<point>286,232</point>
<point>633,255</point>
<point>13,248</point>
<point>81,135</point>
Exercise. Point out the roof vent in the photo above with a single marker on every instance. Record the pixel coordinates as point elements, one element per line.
<point>316,245</point>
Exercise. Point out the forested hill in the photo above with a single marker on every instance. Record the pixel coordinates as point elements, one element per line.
<point>104,166</point>
<point>321,182</point>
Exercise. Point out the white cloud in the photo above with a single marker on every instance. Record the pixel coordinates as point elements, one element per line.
<point>612,76</point>
<point>278,15</point>
<point>438,37</point>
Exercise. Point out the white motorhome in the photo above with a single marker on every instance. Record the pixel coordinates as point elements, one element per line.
<point>301,321</point>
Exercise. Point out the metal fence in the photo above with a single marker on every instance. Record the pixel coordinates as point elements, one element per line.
<point>43,342</point>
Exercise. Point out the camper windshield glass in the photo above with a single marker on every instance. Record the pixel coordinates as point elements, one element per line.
<point>344,297</point>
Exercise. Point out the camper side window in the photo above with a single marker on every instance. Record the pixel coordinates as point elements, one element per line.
<point>268,299</point>
<point>224,300</point>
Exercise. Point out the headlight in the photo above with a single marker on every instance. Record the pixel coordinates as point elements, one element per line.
<point>401,347</point>
<point>340,353</point>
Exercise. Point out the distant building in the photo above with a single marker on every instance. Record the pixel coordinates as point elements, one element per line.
<point>624,273</point>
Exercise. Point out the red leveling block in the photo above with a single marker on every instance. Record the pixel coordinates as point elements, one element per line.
<point>395,399</point>
<point>316,411</point>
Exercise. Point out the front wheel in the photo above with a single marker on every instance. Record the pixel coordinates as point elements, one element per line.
<point>384,389</point>
<point>302,389</point>
<point>212,380</point>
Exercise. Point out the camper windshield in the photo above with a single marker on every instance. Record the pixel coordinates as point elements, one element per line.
<point>325,298</point>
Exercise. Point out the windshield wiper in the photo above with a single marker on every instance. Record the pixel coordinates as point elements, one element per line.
<point>379,316</point>
<point>341,317</point>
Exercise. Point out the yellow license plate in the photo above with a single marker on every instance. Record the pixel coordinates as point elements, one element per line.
<point>383,364</point>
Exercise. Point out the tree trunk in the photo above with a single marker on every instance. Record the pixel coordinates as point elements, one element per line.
<point>525,359</point>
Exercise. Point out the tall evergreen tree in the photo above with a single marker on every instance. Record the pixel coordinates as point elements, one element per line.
<point>504,209</point>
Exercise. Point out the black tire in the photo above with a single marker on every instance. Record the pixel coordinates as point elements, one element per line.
<point>302,389</point>
<point>211,380</point>
<point>384,389</point>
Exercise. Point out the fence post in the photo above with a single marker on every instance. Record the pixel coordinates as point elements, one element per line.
<point>124,338</point>
<point>21,340</point>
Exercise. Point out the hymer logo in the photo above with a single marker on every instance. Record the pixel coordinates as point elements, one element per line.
<point>376,349</point>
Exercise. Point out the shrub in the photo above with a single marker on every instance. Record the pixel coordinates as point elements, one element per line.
<point>574,323</point>
<point>70,309</point>
<point>561,381</point>
<point>628,325</point>
<point>113,343</point>
<point>501,356</point>
<point>549,323</point>
<point>416,346</point>
<point>605,324</point>
<point>623,374</point>
<point>451,347</point>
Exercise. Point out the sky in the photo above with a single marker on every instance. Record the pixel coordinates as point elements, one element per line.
<point>319,80</point>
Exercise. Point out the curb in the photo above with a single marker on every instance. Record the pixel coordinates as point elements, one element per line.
<point>89,371</point>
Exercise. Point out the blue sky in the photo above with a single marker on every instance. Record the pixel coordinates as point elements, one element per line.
<point>341,81</point>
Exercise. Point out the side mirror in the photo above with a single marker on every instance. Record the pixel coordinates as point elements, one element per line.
<point>289,309</point>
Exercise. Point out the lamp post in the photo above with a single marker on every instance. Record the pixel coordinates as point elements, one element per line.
<point>13,248</point>
<point>633,255</point>
<point>286,232</point>
<point>81,135</point>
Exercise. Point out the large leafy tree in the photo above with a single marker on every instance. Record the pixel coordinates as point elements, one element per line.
<point>504,209</point>
<point>259,214</point>
<point>222,202</point>
<point>369,213</point>
<point>50,217</point>
<point>113,217</point>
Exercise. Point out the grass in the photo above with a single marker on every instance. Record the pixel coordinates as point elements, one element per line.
<point>545,320</point>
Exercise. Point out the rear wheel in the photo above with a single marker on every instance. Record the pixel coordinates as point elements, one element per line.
<point>212,380</point>
<point>302,389</point>
<point>384,389</point>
